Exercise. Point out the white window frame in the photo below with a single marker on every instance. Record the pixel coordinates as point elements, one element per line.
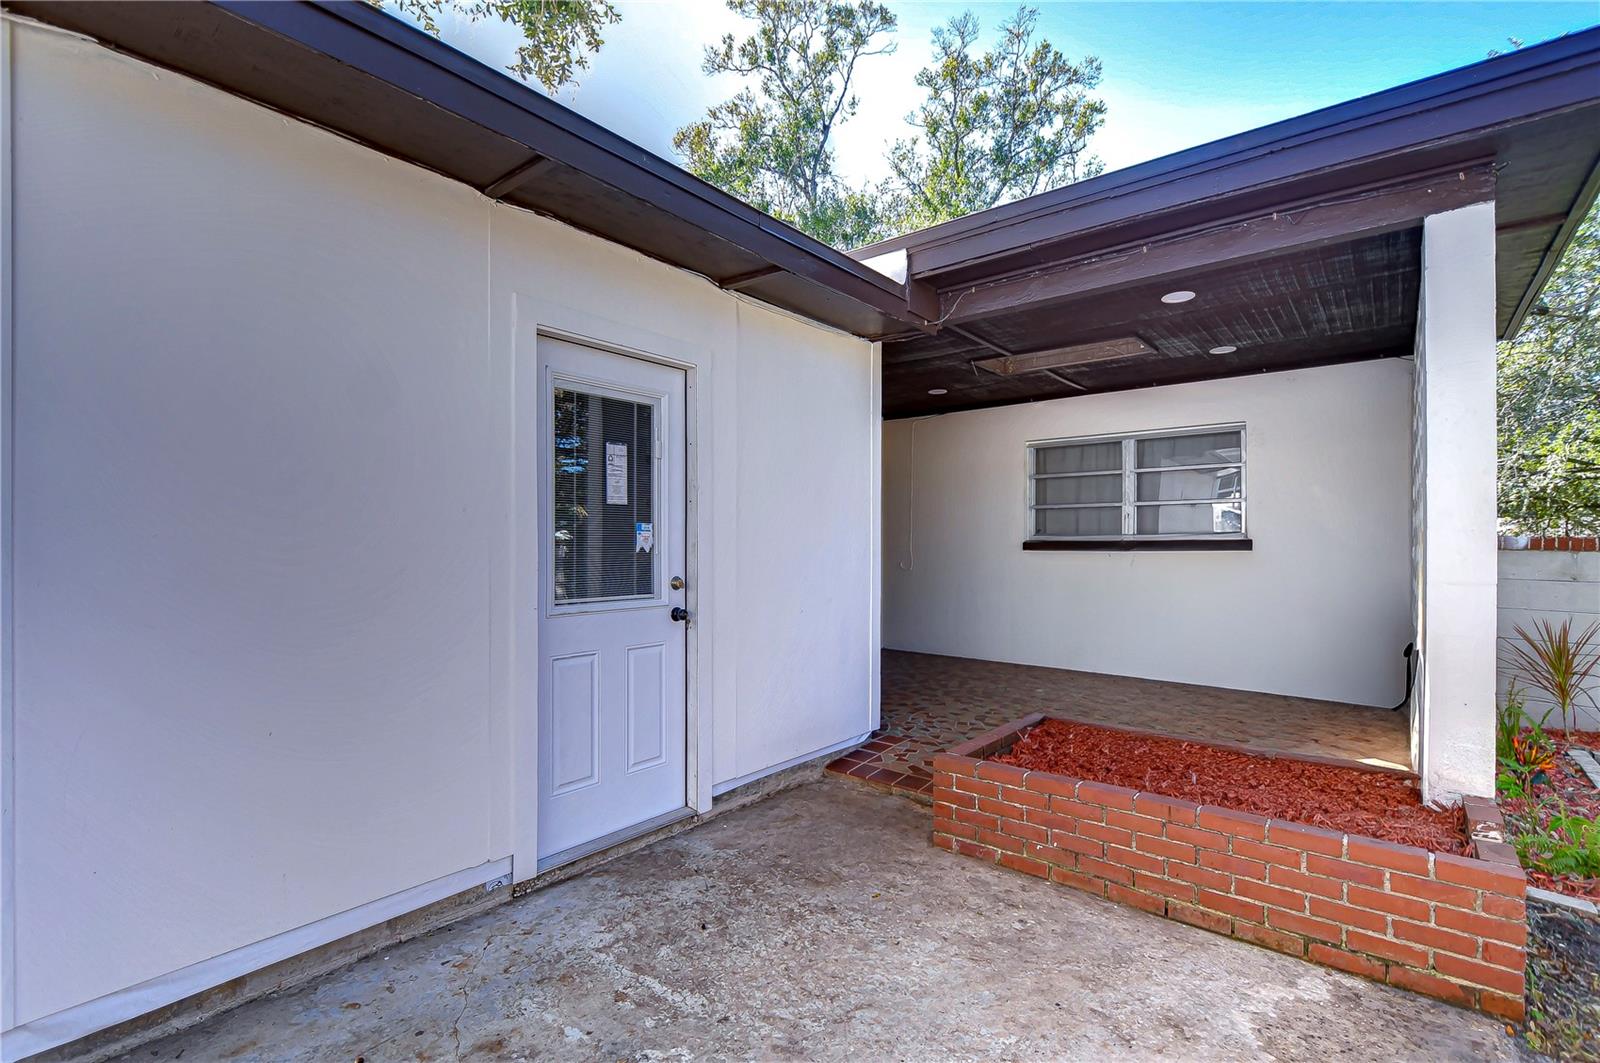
<point>560,381</point>
<point>1130,485</point>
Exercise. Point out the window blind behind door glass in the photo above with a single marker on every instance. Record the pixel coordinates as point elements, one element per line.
<point>604,516</point>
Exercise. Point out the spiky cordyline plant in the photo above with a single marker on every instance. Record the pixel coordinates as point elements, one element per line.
<point>1556,661</point>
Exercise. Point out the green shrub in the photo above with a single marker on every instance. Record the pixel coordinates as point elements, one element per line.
<point>1567,844</point>
<point>1509,720</point>
<point>1523,748</point>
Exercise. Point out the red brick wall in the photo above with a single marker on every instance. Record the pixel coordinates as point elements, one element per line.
<point>1451,927</point>
<point>1563,543</point>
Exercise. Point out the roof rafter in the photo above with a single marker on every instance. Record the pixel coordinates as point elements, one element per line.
<point>518,177</point>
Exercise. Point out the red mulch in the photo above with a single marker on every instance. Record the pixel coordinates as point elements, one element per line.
<point>1588,739</point>
<point>1569,787</point>
<point>1354,800</point>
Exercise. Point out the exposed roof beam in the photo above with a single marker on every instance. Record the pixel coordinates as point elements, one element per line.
<point>1291,228</point>
<point>1547,221</point>
<point>1007,353</point>
<point>980,341</point>
<point>922,299</point>
<point>741,281</point>
<point>892,414</point>
<point>1065,379</point>
<point>517,177</point>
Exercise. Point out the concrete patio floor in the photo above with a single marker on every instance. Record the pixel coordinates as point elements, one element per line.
<point>820,924</point>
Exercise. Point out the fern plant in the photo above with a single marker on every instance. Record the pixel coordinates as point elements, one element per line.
<point>1567,844</point>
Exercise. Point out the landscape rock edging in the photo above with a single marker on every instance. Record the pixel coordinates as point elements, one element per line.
<point>1563,975</point>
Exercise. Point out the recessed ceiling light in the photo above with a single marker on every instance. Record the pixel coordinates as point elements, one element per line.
<point>938,391</point>
<point>1177,297</point>
<point>1226,348</point>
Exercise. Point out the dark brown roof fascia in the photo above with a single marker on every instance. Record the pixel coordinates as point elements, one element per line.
<point>375,44</point>
<point>1291,227</point>
<point>1470,101</point>
<point>385,47</point>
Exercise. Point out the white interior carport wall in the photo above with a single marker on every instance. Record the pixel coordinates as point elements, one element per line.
<point>1317,609</point>
<point>269,656</point>
<point>1455,571</point>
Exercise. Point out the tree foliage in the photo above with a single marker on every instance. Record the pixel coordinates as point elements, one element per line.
<point>996,126</point>
<point>557,35</point>
<point>771,143</point>
<point>1549,401</point>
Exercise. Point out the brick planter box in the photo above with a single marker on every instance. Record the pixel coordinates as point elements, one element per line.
<point>1449,926</point>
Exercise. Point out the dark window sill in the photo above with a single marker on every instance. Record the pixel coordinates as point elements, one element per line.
<point>1137,544</point>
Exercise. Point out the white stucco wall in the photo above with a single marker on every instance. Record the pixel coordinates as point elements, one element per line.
<point>1553,585</point>
<point>266,538</point>
<point>806,539</point>
<point>1317,609</point>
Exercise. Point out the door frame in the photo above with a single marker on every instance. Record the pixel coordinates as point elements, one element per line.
<point>528,423</point>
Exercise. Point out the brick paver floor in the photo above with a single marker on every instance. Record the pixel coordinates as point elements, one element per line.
<point>931,702</point>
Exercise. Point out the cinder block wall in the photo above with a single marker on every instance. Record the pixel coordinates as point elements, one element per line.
<point>1554,578</point>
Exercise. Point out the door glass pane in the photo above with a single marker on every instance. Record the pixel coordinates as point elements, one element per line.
<point>1186,484</point>
<point>1206,448</point>
<point>1078,457</point>
<point>604,518</point>
<point>1217,518</point>
<point>1107,521</point>
<point>1068,490</point>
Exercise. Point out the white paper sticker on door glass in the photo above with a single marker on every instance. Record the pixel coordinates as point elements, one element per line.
<point>616,474</point>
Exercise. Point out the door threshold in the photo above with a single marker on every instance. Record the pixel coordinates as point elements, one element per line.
<point>606,841</point>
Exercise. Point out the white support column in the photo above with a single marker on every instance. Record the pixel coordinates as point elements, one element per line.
<point>875,547</point>
<point>1454,491</point>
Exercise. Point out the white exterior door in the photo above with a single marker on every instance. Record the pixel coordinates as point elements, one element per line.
<point>612,642</point>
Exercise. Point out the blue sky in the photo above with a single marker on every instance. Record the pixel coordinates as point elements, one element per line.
<point>1176,74</point>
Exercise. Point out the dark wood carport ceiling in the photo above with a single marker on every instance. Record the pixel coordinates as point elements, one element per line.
<point>1336,303</point>
<point>1286,291</point>
<point>1301,240</point>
